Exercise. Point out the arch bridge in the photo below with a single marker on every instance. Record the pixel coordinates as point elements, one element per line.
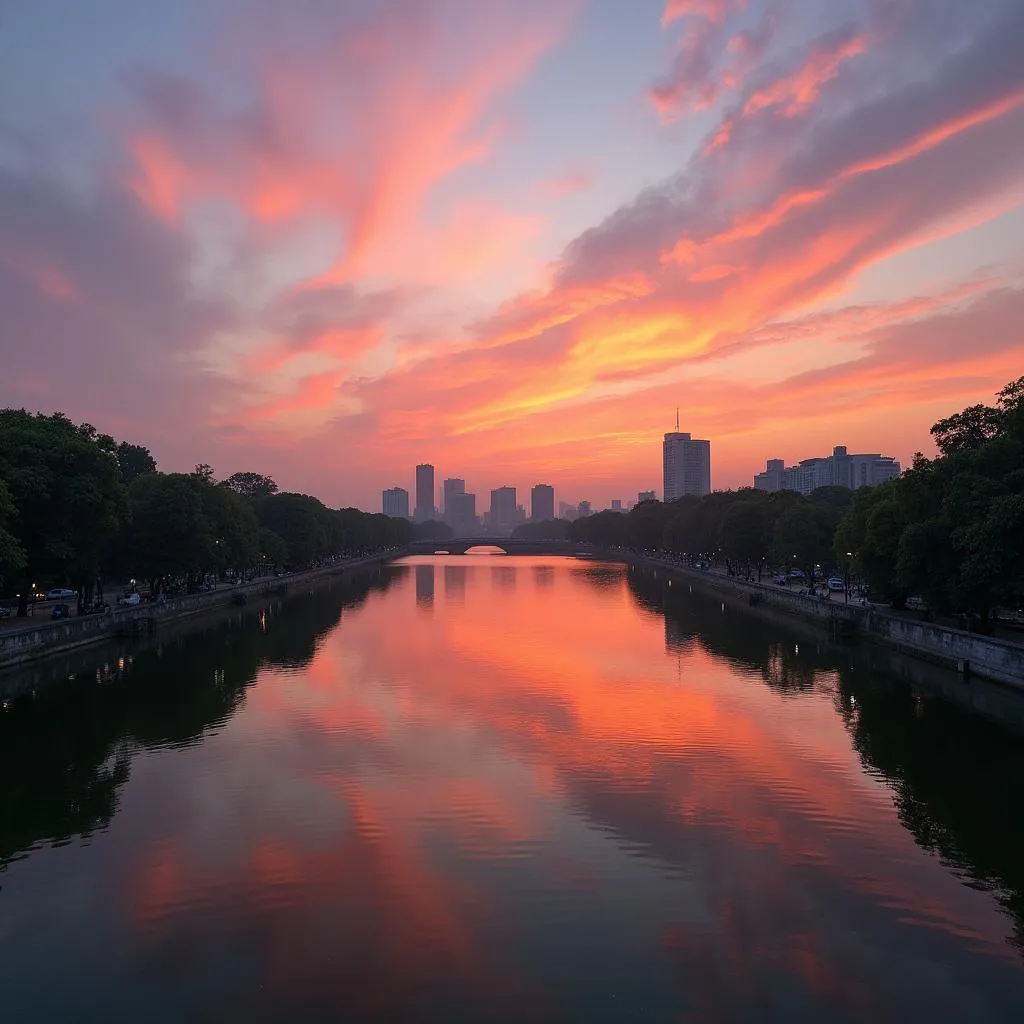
<point>510,545</point>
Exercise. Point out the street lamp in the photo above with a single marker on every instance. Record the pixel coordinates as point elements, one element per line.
<point>849,559</point>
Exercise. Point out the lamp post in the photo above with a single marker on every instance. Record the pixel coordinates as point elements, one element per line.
<point>849,561</point>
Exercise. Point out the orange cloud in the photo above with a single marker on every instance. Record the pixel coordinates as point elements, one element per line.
<point>796,92</point>
<point>712,10</point>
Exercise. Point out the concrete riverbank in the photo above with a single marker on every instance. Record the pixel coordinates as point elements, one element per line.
<point>46,638</point>
<point>967,653</point>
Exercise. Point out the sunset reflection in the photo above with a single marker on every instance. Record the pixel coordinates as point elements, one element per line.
<point>504,775</point>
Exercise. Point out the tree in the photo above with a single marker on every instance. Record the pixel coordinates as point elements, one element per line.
<point>250,485</point>
<point>645,525</point>
<point>744,532</point>
<point>171,532</point>
<point>64,484</point>
<point>802,537</point>
<point>548,529</point>
<point>12,555</point>
<point>301,521</point>
<point>607,528</point>
<point>236,530</point>
<point>433,530</point>
<point>134,460</point>
<point>204,472</point>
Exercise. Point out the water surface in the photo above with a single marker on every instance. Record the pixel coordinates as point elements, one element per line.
<point>468,788</point>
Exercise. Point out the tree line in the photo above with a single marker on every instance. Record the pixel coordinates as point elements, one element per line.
<point>949,530</point>
<point>78,508</point>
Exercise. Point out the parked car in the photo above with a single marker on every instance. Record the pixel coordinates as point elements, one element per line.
<point>60,594</point>
<point>60,611</point>
<point>797,574</point>
<point>835,583</point>
<point>4,611</point>
<point>130,600</point>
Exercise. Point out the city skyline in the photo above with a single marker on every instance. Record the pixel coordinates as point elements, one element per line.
<point>327,241</point>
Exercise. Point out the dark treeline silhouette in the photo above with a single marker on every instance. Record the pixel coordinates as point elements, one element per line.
<point>66,748</point>
<point>950,529</point>
<point>547,529</point>
<point>78,508</point>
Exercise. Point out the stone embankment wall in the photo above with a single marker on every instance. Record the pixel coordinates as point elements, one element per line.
<point>981,655</point>
<point>49,637</point>
<point>969,653</point>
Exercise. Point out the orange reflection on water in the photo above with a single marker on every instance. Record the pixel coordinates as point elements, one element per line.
<point>509,741</point>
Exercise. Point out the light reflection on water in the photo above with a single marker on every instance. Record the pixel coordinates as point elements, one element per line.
<point>473,788</point>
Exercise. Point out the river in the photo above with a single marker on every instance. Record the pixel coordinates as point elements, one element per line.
<point>499,788</point>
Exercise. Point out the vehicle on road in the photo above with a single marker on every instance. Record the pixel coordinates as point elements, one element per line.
<point>60,611</point>
<point>130,600</point>
<point>797,574</point>
<point>60,594</point>
<point>836,584</point>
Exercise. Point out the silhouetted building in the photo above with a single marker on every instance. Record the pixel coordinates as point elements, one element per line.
<point>839,469</point>
<point>583,509</point>
<point>686,465</point>
<point>424,492</point>
<point>395,502</point>
<point>461,514</point>
<point>616,504</point>
<point>503,509</point>
<point>451,487</point>
<point>542,503</point>
<point>566,511</point>
<point>646,496</point>
<point>425,584</point>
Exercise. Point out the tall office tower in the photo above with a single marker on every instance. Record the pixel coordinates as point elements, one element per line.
<point>503,509</point>
<point>396,502</point>
<point>616,504</point>
<point>646,496</point>
<point>460,514</point>
<point>424,492</point>
<point>687,466</point>
<point>542,503</point>
<point>452,486</point>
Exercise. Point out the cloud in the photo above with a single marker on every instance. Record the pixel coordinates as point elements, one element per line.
<point>101,318</point>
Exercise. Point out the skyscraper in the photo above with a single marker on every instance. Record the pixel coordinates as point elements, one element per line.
<point>452,486</point>
<point>646,496</point>
<point>503,508</point>
<point>460,514</point>
<point>424,492</point>
<point>542,503</point>
<point>396,502</point>
<point>687,466</point>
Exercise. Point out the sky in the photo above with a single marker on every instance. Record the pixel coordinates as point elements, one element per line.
<point>330,239</point>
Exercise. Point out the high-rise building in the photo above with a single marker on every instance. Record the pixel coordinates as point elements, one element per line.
<point>503,509</point>
<point>616,504</point>
<point>566,511</point>
<point>687,466</point>
<point>542,503</point>
<point>460,514</point>
<point>424,492</point>
<point>395,502</point>
<point>646,496</point>
<point>452,486</point>
<point>840,469</point>
<point>583,509</point>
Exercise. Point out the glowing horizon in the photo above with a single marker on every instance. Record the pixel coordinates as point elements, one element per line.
<point>509,238</point>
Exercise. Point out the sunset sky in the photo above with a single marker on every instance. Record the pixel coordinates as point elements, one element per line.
<point>329,239</point>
